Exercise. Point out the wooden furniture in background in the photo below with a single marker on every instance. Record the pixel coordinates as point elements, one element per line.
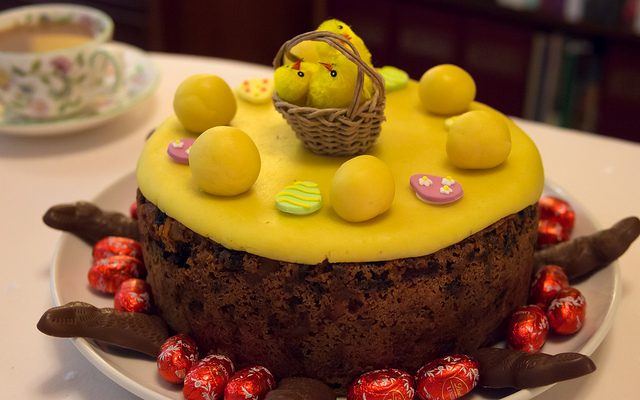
<point>529,64</point>
<point>536,65</point>
<point>136,21</point>
<point>244,30</point>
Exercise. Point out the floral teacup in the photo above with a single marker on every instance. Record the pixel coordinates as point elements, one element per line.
<point>53,62</point>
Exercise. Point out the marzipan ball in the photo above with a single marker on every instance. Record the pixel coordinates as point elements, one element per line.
<point>362,188</point>
<point>224,161</point>
<point>446,90</point>
<point>478,140</point>
<point>203,101</point>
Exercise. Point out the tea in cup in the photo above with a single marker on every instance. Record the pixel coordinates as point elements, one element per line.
<point>53,61</point>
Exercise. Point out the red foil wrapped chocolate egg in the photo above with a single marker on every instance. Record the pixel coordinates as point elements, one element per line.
<point>527,329</point>
<point>546,284</point>
<point>447,378</point>
<point>250,383</point>
<point>556,221</point>
<point>117,246</point>
<point>223,360</point>
<point>133,210</point>
<point>567,311</point>
<point>557,210</point>
<point>382,384</point>
<point>177,356</point>
<point>133,295</point>
<point>107,274</point>
<point>550,233</point>
<point>208,378</point>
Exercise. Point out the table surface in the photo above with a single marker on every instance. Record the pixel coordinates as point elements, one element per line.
<point>36,173</point>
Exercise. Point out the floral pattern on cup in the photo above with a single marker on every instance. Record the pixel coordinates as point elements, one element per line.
<point>94,25</point>
<point>140,79</point>
<point>59,83</point>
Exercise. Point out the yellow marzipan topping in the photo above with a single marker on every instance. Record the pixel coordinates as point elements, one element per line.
<point>411,142</point>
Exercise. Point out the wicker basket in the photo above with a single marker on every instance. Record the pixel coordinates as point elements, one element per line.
<point>335,131</point>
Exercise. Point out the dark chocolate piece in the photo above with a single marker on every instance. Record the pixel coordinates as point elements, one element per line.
<point>587,254</point>
<point>89,222</point>
<point>134,331</point>
<point>299,388</point>
<point>501,368</point>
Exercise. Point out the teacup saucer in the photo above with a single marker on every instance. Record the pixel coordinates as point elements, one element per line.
<point>141,79</point>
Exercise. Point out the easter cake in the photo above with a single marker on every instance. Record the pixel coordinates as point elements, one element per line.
<point>329,266</point>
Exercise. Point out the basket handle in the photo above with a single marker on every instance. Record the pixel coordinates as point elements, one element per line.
<point>336,41</point>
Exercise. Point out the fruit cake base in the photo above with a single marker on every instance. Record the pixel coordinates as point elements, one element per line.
<point>334,321</point>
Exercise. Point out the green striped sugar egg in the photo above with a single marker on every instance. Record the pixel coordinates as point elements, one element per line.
<point>300,198</point>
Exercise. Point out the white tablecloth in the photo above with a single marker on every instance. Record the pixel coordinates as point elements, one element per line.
<point>36,173</point>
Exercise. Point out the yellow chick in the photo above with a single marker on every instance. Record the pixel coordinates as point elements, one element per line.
<point>291,81</point>
<point>305,50</point>
<point>333,84</point>
<point>325,51</point>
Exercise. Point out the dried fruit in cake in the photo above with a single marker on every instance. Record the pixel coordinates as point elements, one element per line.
<point>224,161</point>
<point>362,188</point>
<point>446,89</point>
<point>203,101</point>
<point>478,140</point>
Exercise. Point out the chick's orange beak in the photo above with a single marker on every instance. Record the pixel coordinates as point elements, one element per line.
<point>328,66</point>
<point>296,65</point>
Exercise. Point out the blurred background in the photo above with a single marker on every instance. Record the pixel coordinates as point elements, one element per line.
<point>571,63</point>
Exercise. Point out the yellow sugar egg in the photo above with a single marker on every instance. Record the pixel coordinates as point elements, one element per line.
<point>203,101</point>
<point>478,140</point>
<point>362,188</point>
<point>224,161</point>
<point>446,89</point>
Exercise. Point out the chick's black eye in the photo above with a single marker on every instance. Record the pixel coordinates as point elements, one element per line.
<point>339,26</point>
<point>300,74</point>
<point>334,73</point>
